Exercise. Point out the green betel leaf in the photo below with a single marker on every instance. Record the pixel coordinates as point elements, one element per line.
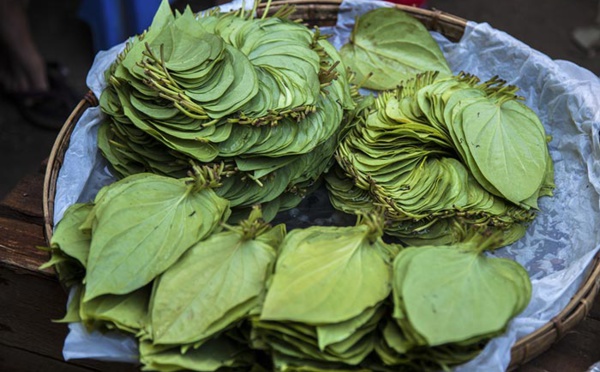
<point>393,46</point>
<point>508,143</point>
<point>450,294</point>
<point>287,363</point>
<point>125,312</point>
<point>70,239</point>
<point>141,231</point>
<point>426,153</point>
<point>72,315</point>
<point>70,245</point>
<point>327,275</point>
<point>332,333</point>
<point>214,355</point>
<point>229,271</point>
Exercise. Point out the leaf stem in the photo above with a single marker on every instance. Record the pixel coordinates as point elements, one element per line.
<point>252,227</point>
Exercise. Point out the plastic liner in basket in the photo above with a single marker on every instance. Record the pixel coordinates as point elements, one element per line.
<point>558,246</point>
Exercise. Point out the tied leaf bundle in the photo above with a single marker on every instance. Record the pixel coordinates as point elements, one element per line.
<point>448,302</point>
<point>327,295</point>
<point>263,96</point>
<point>229,271</point>
<point>441,153</point>
<point>190,324</point>
<point>179,326</point>
<point>146,221</point>
<point>136,229</point>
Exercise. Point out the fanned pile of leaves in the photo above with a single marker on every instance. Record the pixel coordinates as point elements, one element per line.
<point>262,96</point>
<point>167,271</point>
<point>327,294</point>
<point>442,153</point>
<point>448,301</point>
<point>437,151</point>
<point>223,115</point>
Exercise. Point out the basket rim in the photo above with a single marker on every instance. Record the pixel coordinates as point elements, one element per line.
<point>408,8</point>
<point>55,159</point>
<point>579,306</point>
<point>524,349</point>
<point>436,20</point>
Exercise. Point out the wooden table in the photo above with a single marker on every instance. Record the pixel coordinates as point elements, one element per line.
<point>30,298</point>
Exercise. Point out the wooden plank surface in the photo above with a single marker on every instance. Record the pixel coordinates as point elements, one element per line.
<point>24,201</point>
<point>21,220</point>
<point>18,244</point>
<point>18,360</point>
<point>30,303</point>
<point>30,299</point>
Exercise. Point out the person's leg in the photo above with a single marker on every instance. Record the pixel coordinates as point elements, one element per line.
<point>38,89</point>
<point>23,68</point>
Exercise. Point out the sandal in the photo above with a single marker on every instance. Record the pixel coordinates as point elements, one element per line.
<point>48,109</point>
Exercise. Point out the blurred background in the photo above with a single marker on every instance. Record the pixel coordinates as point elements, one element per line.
<point>559,28</point>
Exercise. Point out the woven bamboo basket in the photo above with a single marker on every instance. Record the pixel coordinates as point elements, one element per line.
<point>324,13</point>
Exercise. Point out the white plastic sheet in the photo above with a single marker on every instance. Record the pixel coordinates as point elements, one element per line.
<point>559,244</point>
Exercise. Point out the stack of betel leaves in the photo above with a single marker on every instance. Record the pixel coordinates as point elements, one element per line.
<point>327,296</point>
<point>263,96</point>
<point>215,123</point>
<point>440,148</point>
<point>448,301</point>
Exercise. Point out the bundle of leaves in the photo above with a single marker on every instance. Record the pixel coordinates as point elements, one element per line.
<point>262,96</point>
<point>443,153</point>
<point>144,221</point>
<point>448,302</point>
<point>168,272</point>
<point>206,321</point>
<point>327,296</point>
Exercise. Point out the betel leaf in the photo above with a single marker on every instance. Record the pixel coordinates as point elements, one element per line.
<point>508,144</point>
<point>456,294</point>
<point>67,235</point>
<point>288,363</point>
<point>70,245</point>
<point>142,230</point>
<point>125,312</point>
<point>214,355</point>
<point>332,333</point>
<point>327,275</point>
<point>229,271</point>
<point>393,46</point>
<point>72,314</point>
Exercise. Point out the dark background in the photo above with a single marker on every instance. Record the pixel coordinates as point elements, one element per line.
<point>545,25</point>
